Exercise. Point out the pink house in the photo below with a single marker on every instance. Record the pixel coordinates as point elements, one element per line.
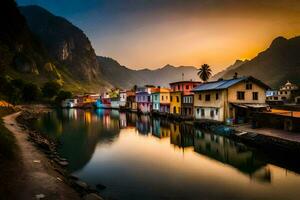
<point>184,86</point>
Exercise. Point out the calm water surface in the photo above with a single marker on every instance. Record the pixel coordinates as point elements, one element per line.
<point>137,157</point>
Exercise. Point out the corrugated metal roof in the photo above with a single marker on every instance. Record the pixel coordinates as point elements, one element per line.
<point>218,85</point>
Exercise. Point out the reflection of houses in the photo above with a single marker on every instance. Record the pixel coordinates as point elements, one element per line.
<point>132,119</point>
<point>181,135</point>
<point>179,91</point>
<point>232,100</point>
<point>143,99</point>
<point>160,128</point>
<point>123,120</point>
<point>229,152</point>
<point>143,124</point>
<point>161,100</point>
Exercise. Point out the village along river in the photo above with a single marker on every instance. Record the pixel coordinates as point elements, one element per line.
<point>138,157</point>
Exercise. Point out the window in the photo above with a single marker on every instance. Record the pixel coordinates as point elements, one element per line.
<point>177,98</point>
<point>217,111</point>
<point>171,98</point>
<point>162,97</point>
<point>187,87</point>
<point>212,113</point>
<point>178,87</point>
<point>202,112</point>
<point>198,111</point>
<point>240,95</point>
<point>255,95</point>
<point>248,86</point>
<point>207,97</point>
<point>200,97</point>
<point>149,98</point>
<point>217,96</point>
<point>275,98</point>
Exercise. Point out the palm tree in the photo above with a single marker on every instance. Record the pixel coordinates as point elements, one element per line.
<point>204,72</point>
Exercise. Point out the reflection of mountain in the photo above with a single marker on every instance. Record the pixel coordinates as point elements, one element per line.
<point>80,132</point>
<point>229,152</point>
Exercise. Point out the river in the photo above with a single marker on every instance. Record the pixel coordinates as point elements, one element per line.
<point>138,157</point>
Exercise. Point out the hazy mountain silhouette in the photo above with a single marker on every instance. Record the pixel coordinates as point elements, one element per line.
<point>124,77</point>
<point>277,64</point>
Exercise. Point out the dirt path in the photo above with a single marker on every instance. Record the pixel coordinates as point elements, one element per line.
<point>38,179</point>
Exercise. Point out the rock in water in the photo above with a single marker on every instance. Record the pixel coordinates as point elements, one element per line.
<point>81,184</point>
<point>92,196</point>
<point>100,187</point>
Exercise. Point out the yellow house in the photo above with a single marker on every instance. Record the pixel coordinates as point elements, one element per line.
<point>175,102</point>
<point>229,100</point>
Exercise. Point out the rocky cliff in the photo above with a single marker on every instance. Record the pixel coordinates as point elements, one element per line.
<point>20,50</point>
<point>64,42</point>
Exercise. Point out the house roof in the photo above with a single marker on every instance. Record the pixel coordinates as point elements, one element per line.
<point>224,84</point>
<point>179,82</point>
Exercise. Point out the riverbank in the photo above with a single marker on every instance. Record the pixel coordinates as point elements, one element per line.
<point>41,173</point>
<point>269,138</point>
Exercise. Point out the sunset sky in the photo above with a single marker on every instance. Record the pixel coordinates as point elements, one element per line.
<point>153,33</point>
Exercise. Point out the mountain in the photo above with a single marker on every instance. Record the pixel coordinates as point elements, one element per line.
<point>123,77</point>
<point>20,50</point>
<point>231,67</point>
<point>64,42</point>
<point>277,64</point>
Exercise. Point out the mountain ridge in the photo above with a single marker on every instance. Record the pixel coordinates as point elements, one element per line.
<point>127,77</point>
<point>275,65</point>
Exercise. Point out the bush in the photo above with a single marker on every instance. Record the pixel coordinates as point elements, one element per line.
<point>31,92</point>
<point>63,95</point>
<point>51,89</point>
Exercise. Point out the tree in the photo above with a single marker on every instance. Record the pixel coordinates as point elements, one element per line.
<point>31,92</point>
<point>204,72</point>
<point>63,95</point>
<point>51,89</point>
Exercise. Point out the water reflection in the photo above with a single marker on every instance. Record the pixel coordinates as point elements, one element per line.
<point>102,141</point>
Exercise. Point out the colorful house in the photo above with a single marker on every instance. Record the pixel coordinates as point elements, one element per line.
<point>123,98</point>
<point>131,103</point>
<point>115,103</point>
<point>103,101</point>
<point>87,100</point>
<point>178,92</point>
<point>229,100</point>
<point>161,100</point>
<point>188,106</point>
<point>143,99</point>
<point>69,103</point>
